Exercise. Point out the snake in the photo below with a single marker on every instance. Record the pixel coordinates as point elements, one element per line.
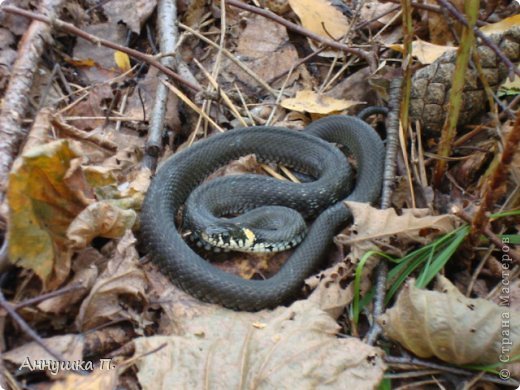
<point>314,151</point>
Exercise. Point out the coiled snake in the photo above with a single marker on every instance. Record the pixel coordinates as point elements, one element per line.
<point>310,151</point>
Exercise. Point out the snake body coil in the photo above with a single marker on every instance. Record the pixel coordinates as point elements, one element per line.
<point>308,151</point>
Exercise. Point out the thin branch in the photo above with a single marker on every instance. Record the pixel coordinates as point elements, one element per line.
<point>303,31</point>
<point>26,328</point>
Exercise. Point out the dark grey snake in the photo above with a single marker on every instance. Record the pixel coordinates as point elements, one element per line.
<point>309,151</point>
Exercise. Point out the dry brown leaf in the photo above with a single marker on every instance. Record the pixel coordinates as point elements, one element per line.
<point>98,61</point>
<point>425,52</point>
<point>322,18</point>
<point>86,272</point>
<point>312,102</point>
<point>100,219</point>
<point>451,327</point>
<point>99,379</point>
<point>264,47</point>
<point>438,25</point>
<point>414,225</point>
<point>502,26</point>
<point>69,346</point>
<point>141,101</point>
<point>333,287</point>
<point>121,278</point>
<point>372,9</point>
<point>289,348</point>
<point>131,12</point>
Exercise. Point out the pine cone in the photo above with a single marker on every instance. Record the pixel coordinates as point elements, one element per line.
<point>431,85</point>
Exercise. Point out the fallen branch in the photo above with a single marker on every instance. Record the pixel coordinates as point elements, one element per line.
<point>16,98</point>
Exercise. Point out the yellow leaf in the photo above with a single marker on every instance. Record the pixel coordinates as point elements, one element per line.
<point>321,17</point>
<point>310,101</point>
<point>46,191</point>
<point>122,60</point>
<point>425,52</point>
<point>502,26</point>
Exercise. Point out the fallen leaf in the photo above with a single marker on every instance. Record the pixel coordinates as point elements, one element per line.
<point>439,27</point>
<point>451,327</point>
<point>425,52</point>
<point>510,87</point>
<point>85,274</point>
<point>131,12</point>
<point>322,18</point>
<point>372,9</point>
<point>30,354</point>
<point>121,278</point>
<point>46,192</point>
<point>333,289</point>
<point>502,26</point>
<point>99,379</point>
<point>294,348</point>
<point>414,225</point>
<point>100,219</point>
<point>312,102</point>
<point>264,47</point>
<point>122,60</point>
<point>102,57</point>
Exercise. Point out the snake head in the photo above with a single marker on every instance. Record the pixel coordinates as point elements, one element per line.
<point>230,236</point>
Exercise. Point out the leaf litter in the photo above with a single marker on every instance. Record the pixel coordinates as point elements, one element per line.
<point>79,201</point>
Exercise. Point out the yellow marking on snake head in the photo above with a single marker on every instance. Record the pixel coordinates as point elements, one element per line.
<point>250,236</point>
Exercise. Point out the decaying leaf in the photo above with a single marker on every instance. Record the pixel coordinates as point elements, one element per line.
<point>312,102</point>
<point>451,327</point>
<point>289,348</point>
<point>103,219</point>
<point>333,288</point>
<point>85,268</point>
<point>46,192</point>
<point>121,278</point>
<point>372,225</point>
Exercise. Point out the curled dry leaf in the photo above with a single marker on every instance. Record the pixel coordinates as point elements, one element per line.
<point>46,191</point>
<point>289,348</point>
<point>451,327</point>
<point>372,225</point>
<point>315,103</point>
<point>103,219</point>
<point>121,278</point>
